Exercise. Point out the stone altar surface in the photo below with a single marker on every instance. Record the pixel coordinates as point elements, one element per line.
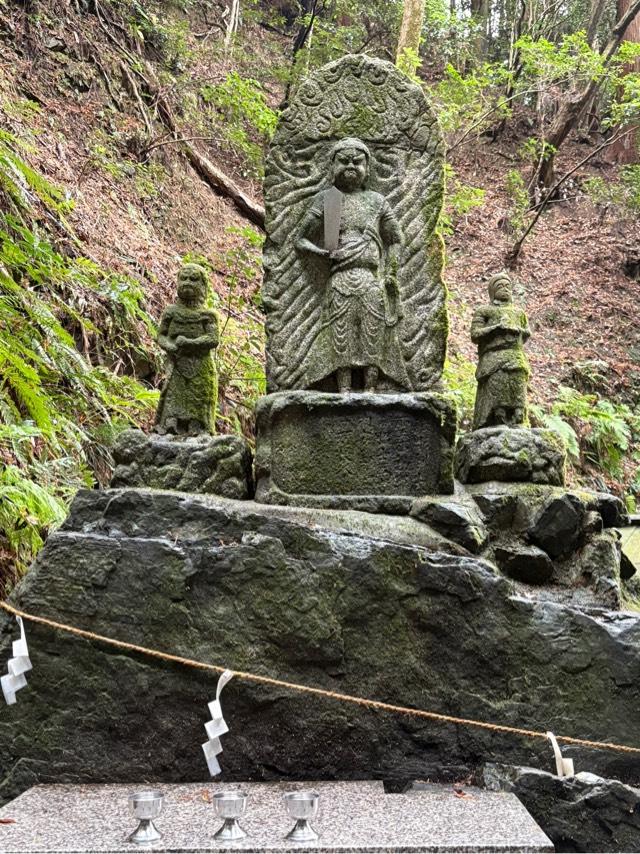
<point>353,817</point>
<point>364,451</point>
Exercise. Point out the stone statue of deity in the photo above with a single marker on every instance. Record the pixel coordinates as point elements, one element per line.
<point>500,331</point>
<point>188,333</point>
<point>354,179</point>
<point>355,229</point>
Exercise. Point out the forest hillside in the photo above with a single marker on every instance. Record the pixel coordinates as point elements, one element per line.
<point>132,137</point>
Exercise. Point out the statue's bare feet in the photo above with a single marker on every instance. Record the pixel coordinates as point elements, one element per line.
<point>195,427</point>
<point>500,415</point>
<point>171,426</point>
<point>370,379</point>
<point>344,380</point>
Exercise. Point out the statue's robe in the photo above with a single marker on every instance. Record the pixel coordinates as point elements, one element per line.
<point>189,390</point>
<point>359,324</point>
<point>503,370</point>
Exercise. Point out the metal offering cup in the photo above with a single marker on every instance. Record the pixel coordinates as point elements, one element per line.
<point>303,806</point>
<point>146,806</point>
<point>230,805</point>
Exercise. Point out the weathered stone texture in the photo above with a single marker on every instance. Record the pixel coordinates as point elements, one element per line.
<point>372,452</point>
<point>188,333</point>
<point>500,331</point>
<point>545,535</point>
<point>220,465</point>
<point>306,596</point>
<point>523,562</point>
<point>457,520</point>
<point>558,525</point>
<point>511,454</point>
<point>580,813</point>
<point>369,99</point>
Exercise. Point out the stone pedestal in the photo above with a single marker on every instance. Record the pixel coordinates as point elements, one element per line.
<point>217,465</point>
<point>364,451</point>
<point>511,454</point>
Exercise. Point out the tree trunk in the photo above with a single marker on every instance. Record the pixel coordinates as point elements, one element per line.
<point>595,15</point>
<point>307,7</point>
<point>573,105</point>
<point>232,23</point>
<point>625,150</point>
<point>410,29</point>
<point>480,14</point>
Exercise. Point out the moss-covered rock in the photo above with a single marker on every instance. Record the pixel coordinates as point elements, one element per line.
<point>310,597</point>
<point>511,454</point>
<point>218,465</point>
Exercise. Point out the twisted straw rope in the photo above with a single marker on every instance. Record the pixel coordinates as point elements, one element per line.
<point>307,689</point>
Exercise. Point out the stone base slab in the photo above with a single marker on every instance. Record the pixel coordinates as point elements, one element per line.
<point>511,454</point>
<point>363,451</point>
<point>214,465</point>
<point>352,817</point>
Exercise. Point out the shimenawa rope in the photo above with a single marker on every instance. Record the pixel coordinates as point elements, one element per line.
<point>307,689</point>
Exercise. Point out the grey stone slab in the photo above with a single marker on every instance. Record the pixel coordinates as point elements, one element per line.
<point>353,817</point>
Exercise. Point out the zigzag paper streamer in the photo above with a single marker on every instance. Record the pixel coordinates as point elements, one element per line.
<point>17,666</point>
<point>215,728</point>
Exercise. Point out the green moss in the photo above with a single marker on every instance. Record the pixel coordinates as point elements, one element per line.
<point>363,122</point>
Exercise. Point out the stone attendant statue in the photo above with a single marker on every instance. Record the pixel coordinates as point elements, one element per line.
<point>356,231</point>
<point>500,330</point>
<point>188,333</point>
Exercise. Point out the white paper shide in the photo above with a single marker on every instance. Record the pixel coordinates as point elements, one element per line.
<point>18,665</point>
<point>215,728</point>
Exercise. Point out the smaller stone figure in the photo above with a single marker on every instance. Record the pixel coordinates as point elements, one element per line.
<point>500,330</point>
<point>188,333</point>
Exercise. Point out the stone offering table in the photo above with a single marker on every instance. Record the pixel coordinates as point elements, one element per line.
<point>353,817</point>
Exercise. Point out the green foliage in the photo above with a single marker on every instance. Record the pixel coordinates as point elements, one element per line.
<point>409,62</point>
<point>460,199</point>
<point>22,185</point>
<point>471,98</point>
<point>570,62</point>
<point>534,149</point>
<point>459,376</point>
<point>517,189</point>
<point>239,358</point>
<point>165,36</point>
<point>59,408</point>
<point>248,122</point>
<point>147,178</point>
<point>623,195</point>
<point>598,432</point>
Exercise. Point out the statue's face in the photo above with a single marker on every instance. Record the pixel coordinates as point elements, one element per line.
<point>500,290</point>
<point>502,293</point>
<point>192,286</point>
<point>350,169</point>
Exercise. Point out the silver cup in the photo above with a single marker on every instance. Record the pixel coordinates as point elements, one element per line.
<point>146,806</point>
<point>230,805</point>
<point>303,806</point>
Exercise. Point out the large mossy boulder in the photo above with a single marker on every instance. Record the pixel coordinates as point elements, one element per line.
<point>347,601</point>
